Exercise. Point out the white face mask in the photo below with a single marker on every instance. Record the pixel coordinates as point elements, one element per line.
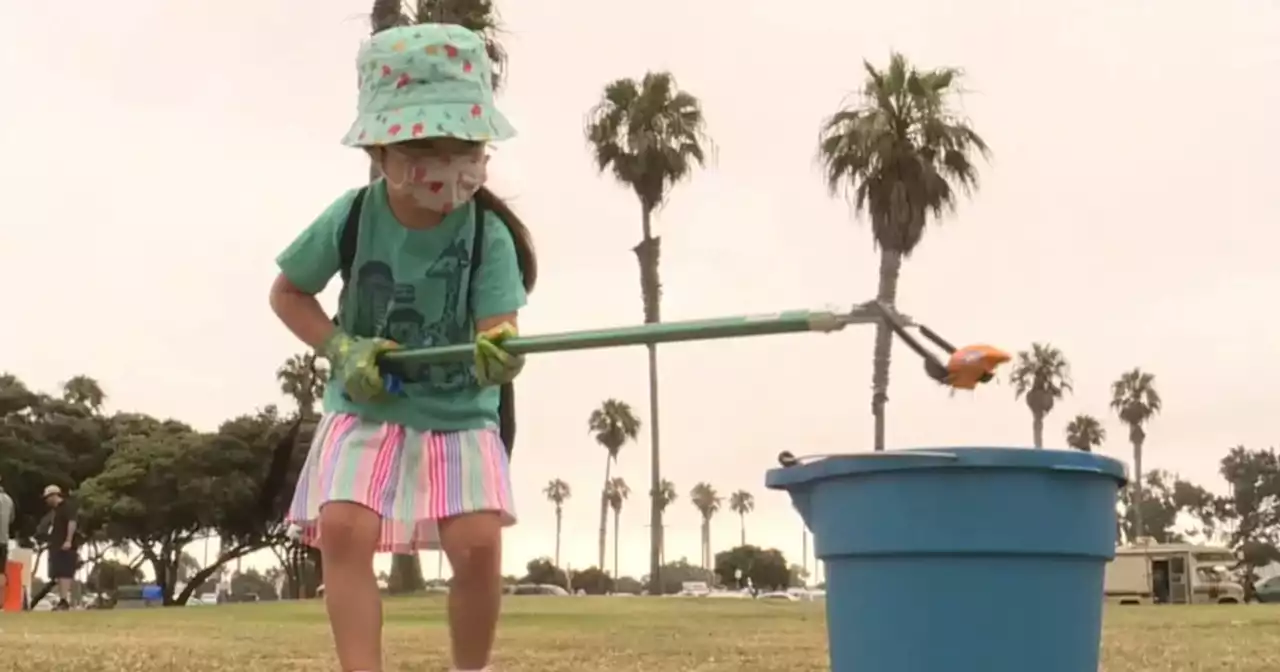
<point>441,184</point>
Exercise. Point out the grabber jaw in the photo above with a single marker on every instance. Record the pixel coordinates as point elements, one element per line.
<point>965,368</point>
<point>974,364</point>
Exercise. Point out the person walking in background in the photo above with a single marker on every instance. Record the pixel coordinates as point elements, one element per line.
<point>62,548</point>
<point>7,513</point>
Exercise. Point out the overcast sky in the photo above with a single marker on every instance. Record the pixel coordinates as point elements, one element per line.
<point>157,155</point>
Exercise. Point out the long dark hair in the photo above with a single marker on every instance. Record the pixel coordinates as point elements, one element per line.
<point>525,256</point>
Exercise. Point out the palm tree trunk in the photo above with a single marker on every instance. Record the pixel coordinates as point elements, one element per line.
<point>559,521</point>
<point>1139,527</point>
<point>616,515</point>
<point>647,253</point>
<point>706,542</point>
<point>655,478</point>
<point>385,14</point>
<point>1037,429</point>
<point>742,528</point>
<point>604,511</point>
<point>890,265</point>
<point>804,549</point>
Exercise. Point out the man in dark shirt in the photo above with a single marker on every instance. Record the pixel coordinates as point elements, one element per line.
<point>62,550</point>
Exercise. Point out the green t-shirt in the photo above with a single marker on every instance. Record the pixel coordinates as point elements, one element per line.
<point>413,286</point>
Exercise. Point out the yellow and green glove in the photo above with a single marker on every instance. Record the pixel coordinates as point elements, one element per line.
<point>494,365</point>
<point>354,361</point>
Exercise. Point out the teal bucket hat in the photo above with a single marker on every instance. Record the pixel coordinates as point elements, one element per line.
<point>425,81</point>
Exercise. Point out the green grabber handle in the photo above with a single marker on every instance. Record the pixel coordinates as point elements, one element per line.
<point>788,322</point>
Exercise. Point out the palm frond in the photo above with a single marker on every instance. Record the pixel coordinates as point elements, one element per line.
<point>900,151</point>
<point>649,134</point>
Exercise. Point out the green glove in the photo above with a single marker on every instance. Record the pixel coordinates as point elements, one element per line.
<point>494,365</point>
<point>354,361</point>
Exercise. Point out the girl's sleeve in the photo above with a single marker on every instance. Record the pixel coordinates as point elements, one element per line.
<point>312,259</point>
<point>499,287</point>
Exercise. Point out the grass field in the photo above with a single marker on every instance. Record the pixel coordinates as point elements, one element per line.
<point>547,634</point>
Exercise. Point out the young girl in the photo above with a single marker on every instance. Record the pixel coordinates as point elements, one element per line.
<point>389,472</point>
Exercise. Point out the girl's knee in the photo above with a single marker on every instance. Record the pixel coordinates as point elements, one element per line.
<point>348,531</point>
<point>473,543</point>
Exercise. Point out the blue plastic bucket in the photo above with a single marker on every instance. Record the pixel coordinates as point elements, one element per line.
<point>961,559</point>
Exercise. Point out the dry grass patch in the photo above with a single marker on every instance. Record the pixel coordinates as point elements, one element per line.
<point>547,634</point>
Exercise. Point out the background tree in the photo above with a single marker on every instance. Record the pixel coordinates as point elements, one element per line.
<point>617,493</point>
<point>1252,508</point>
<point>1085,432</point>
<point>480,16</point>
<point>160,490</point>
<point>707,501</point>
<point>592,581</point>
<point>650,135</point>
<point>542,571</point>
<point>613,425</point>
<point>901,151</point>
<point>477,15</point>
<point>50,440</point>
<point>302,378</point>
<point>665,495</point>
<point>760,569</point>
<point>84,391</point>
<point>1042,375</point>
<point>1167,498</point>
<point>247,524</point>
<point>1134,398</point>
<point>675,574</point>
<point>558,492</point>
<point>252,583</point>
<point>799,576</point>
<point>742,503</point>
<point>108,575</point>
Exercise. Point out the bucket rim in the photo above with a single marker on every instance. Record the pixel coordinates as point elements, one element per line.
<point>948,458</point>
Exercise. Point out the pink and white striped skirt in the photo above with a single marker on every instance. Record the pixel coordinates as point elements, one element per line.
<point>412,479</point>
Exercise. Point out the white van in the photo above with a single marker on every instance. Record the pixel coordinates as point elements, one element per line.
<point>1151,573</point>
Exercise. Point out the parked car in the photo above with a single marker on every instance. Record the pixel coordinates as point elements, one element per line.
<point>780,596</point>
<point>205,600</point>
<point>538,589</point>
<point>1268,589</point>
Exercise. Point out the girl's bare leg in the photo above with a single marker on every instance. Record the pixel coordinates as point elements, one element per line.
<point>473,543</point>
<point>348,538</point>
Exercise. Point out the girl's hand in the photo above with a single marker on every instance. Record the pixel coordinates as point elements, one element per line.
<point>494,365</point>
<point>355,365</point>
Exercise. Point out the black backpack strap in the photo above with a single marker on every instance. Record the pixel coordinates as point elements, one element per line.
<point>507,392</point>
<point>348,241</point>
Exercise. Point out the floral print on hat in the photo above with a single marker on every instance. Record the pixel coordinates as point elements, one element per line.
<point>425,81</point>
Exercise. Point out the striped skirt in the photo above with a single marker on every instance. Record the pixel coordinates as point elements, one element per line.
<point>411,479</point>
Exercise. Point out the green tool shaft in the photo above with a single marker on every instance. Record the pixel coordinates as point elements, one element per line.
<point>666,332</point>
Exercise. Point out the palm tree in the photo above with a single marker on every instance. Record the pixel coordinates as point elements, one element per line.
<point>479,16</point>
<point>303,379</point>
<point>707,501</point>
<point>557,492</point>
<point>617,493</point>
<point>84,391</point>
<point>1084,433</point>
<point>1043,376</point>
<point>650,134</point>
<point>613,424</point>
<point>665,495</point>
<point>1135,400</point>
<point>902,152</point>
<point>742,503</point>
<point>476,15</point>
